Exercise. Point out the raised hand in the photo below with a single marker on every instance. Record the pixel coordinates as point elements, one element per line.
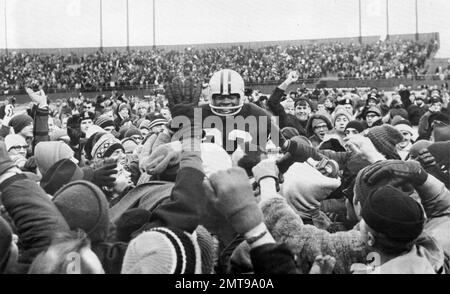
<point>183,94</point>
<point>231,194</point>
<point>38,97</point>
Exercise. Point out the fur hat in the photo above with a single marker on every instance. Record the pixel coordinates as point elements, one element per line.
<point>162,251</point>
<point>84,206</point>
<point>48,153</point>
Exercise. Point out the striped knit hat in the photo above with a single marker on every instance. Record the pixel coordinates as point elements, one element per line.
<point>162,251</point>
<point>104,121</point>
<point>145,124</point>
<point>156,119</point>
<point>105,146</point>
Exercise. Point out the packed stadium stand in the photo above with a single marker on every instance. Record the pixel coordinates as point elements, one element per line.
<point>336,62</point>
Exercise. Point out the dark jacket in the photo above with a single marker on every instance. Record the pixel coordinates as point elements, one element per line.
<point>35,217</point>
<point>285,119</point>
<point>273,259</point>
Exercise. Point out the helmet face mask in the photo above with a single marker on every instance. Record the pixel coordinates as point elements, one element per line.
<point>226,92</point>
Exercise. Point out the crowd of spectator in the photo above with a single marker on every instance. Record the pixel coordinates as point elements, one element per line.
<point>100,70</point>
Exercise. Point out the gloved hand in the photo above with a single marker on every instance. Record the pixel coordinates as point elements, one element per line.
<point>364,147</point>
<point>265,169</point>
<point>426,159</point>
<point>409,171</point>
<point>305,187</point>
<point>5,162</point>
<point>161,158</point>
<point>183,95</point>
<point>104,176</point>
<point>296,147</point>
<point>231,194</point>
<point>38,97</point>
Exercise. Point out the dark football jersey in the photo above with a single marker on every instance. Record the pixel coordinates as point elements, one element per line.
<point>252,124</point>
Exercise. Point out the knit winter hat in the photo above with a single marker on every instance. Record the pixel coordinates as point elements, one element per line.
<point>315,120</point>
<point>405,126</point>
<point>206,243</point>
<point>162,251</point>
<point>87,115</point>
<point>132,132</point>
<point>385,138</point>
<point>123,106</point>
<point>48,153</point>
<point>345,101</point>
<point>339,111</point>
<point>104,121</point>
<point>129,145</point>
<point>19,122</point>
<point>355,124</point>
<point>93,129</point>
<point>59,135</point>
<point>105,146</point>
<point>419,146</point>
<point>59,174</point>
<point>375,110</point>
<point>14,140</point>
<point>84,206</point>
<point>398,112</point>
<point>129,222</point>
<point>156,119</point>
<point>123,129</point>
<point>390,211</point>
<point>145,124</point>
<point>5,243</point>
<point>303,102</point>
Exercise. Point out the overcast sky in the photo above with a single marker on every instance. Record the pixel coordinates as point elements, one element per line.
<point>75,23</point>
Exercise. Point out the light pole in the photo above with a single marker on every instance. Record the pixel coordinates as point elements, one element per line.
<point>360,23</point>
<point>154,30</point>
<point>417,22</point>
<point>387,19</point>
<point>6,31</point>
<point>128,30</point>
<point>101,27</point>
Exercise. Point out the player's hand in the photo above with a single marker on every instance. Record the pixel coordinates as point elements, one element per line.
<point>293,76</point>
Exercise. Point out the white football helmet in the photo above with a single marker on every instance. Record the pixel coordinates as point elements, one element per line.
<point>226,82</point>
